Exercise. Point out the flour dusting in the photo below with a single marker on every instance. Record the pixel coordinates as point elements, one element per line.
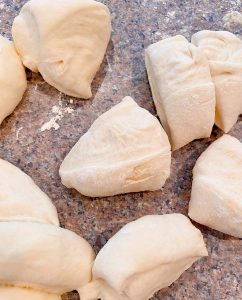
<point>59,112</point>
<point>18,131</point>
<point>51,124</point>
<point>68,110</point>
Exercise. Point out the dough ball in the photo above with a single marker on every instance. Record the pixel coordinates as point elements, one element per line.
<point>217,187</point>
<point>182,89</point>
<point>38,261</point>
<point>21,199</point>
<point>65,40</point>
<point>125,150</point>
<point>145,256</point>
<point>43,257</point>
<point>12,78</point>
<point>224,52</point>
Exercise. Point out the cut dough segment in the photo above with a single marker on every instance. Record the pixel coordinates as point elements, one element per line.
<point>37,261</point>
<point>182,89</point>
<point>125,150</point>
<point>216,198</point>
<point>224,52</point>
<point>54,260</point>
<point>15,293</point>
<point>65,40</point>
<point>144,256</point>
<point>12,78</point>
<point>21,199</point>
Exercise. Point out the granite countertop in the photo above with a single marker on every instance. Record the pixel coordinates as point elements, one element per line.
<point>136,24</point>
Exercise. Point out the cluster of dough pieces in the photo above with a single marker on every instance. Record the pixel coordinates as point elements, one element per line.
<point>126,150</point>
<point>194,85</point>
<point>40,260</point>
<point>197,84</point>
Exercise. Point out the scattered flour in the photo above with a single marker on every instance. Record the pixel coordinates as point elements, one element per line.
<point>109,64</point>
<point>17,133</point>
<point>59,112</point>
<point>171,14</point>
<point>233,17</point>
<point>157,33</point>
<point>68,110</point>
<point>52,123</point>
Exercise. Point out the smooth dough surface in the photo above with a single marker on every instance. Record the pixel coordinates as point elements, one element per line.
<point>145,256</point>
<point>54,259</point>
<point>65,40</point>
<point>125,150</point>
<point>182,89</point>
<point>15,293</point>
<point>13,81</point>
<point>21,199</point>
<point>224,52</point>
<point>216,198</point>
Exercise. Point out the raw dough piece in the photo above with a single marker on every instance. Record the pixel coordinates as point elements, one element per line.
<point>216,199</point>
<point>12,78</point>
<point>182,89</point>
<point>143,257</point>
<point>65,40</point>
<point>21,199</point>
<point>125,150</point>
<point>15,293</point>
<point>54,260</point>
<point>224,52</point>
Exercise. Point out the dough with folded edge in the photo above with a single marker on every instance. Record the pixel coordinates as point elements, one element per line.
<point>65,40</point>
<point>54,259</point>
<point>125,150</point>
<point>21,199</point>
<point>224,52</point>
<point>216,198</point>
<point>12,78</point>
<point>182,89</point>
<point>38,259</point>
<point>143,257</point>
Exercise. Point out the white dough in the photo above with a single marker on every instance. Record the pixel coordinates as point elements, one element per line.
<point>224,52</point>
<point>12,78</point>
<point>125,150</point>
<point>54,259</point>
<point>15,293</point>
<point>21,199</point>
<point>38,261</point>
<point>65,40</point>
<point>182,89</point>
<point>216,198</point>
<point>143,257</point>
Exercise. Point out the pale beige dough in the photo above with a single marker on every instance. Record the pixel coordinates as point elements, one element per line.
<point>65,40</point>
<point>216,198</point>
<point>224,52</point>
<point>54,259</point>
<point>38,259</point>
<point>143,257</point>
<point>15,293</point>
<point>13,81</point>
<point>182,89</point>
<point>21,199</point>
<point>125,150</point>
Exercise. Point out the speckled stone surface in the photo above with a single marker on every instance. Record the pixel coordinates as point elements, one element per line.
<point>136,24</point>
